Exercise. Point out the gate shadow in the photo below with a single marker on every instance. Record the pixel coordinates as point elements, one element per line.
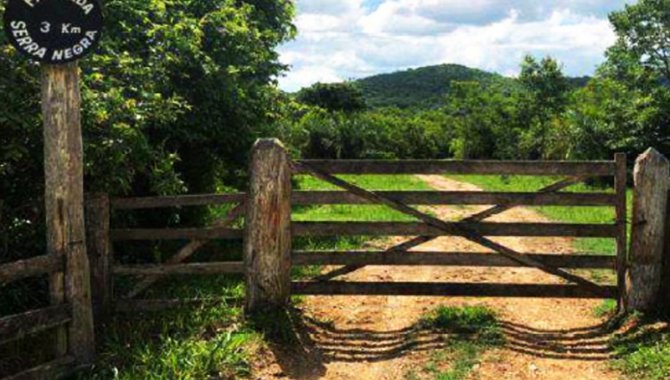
<point>322,342</point>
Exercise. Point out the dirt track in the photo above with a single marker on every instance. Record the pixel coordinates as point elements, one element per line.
<point>373,337</point>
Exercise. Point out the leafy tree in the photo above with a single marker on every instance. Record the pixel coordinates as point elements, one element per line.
<point>627,107</point>
<point>345,97</point>
<point>487,120</point>
<point>547,96</point>
<point>172,101</point>
<point>643,37</point>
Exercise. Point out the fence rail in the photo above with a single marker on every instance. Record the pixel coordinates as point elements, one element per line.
<point>449,289</point>
<point>422,229</point>
<point>305,198</point>
<point>545,168</point>
<point>32,267</point>
<point>470,259</point>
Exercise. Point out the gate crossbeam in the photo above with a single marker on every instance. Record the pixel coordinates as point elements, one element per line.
<point>458,230</point>
<point>478,217</point>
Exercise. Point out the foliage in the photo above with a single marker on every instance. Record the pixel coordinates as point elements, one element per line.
<point>626,106</point>
<point>424,87</point>
<point>174,97</point>
<point>345,97</point>
<point>386,133</point>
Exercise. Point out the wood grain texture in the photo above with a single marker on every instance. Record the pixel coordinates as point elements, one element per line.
<point>64,205</point>
<point>620,185</point>
<point>447,259</point>
<point>267,240</point>
<point>31,267</point>
<point>460,198</point>
<point>574,168</point>
<point>485,229</point>
<point>450,289</point>
<point>643,277</point>
<point>99,247</point>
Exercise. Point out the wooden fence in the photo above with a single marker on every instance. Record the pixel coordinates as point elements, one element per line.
<point>268,254</point>
<point>59,316</point>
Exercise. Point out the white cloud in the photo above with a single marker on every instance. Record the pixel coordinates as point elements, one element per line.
<point>348,39</point>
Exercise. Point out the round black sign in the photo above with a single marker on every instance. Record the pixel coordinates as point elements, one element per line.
<point>53,31</point>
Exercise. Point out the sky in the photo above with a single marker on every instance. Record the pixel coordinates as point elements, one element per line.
<point>349,39</point>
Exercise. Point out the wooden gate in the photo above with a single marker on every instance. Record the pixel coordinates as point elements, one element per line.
<point>474,228</point>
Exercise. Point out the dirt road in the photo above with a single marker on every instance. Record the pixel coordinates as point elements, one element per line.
<point>374,337</point>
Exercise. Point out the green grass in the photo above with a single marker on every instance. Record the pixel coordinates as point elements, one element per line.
<point>605,309</point>
<point>643,352</point>
<point>557,213</point>
<point>469,331</point>
<point>189,343</point>
<point>360,213</point>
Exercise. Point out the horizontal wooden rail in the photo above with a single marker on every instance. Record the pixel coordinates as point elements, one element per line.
<point>449,289</point>
<point>301,258</point>
<point>302,198</point>
<point>460,198</point>
<point>54,369</point>
<point>17,326</point>
<point>208,233</point>
<point>549,168</point>
<point>195,268</point>
<point>176,201</point>
<point>422,229</point>
<point>35,266</point>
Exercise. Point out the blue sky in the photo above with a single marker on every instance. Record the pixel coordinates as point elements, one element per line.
<point>348,39</point>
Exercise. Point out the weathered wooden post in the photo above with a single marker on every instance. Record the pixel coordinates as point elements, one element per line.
<point>643,279</point>
<point>99,252</point>
<point>267,244</point>
<point>64,200</point>
<point>57,34</point>
<point>665,277</point>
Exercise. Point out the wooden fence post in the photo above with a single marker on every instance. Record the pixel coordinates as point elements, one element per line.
<point>267,238</point>
<point>99,252</point>
<point>665,277</point>
<point>64,205</point>
<point>643,279</point>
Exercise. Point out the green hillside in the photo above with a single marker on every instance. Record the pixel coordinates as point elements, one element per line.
<point>422,87</point>
<point>426,87</point>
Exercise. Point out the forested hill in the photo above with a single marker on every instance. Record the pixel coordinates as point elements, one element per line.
<point>426,87</point>
<point>423,87</point>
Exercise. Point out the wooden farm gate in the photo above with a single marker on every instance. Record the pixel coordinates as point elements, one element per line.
<point>473,228</point>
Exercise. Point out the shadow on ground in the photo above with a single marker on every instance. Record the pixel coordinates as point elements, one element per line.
<point>316,343</point>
